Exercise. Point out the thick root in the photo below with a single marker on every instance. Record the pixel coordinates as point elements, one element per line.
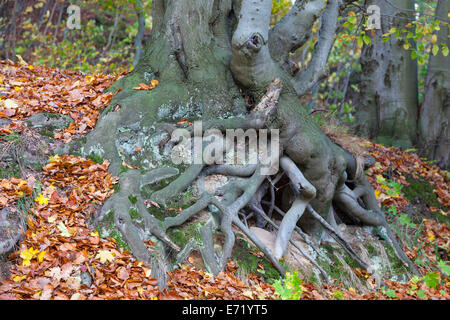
<point>120,204</point>
<point>370,214</point>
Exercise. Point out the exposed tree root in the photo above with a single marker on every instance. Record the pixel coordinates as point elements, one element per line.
<point>246,191</point>
<point>119,204</point>
<point>295,244</point>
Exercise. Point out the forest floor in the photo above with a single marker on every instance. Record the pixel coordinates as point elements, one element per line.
<point>62,257</point>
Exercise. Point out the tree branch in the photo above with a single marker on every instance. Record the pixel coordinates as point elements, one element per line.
<point>251,63</point>
<point>316,69</point>
<point>294,29</point>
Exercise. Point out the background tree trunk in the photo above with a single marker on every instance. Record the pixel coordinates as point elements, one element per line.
<point>140,34</point>
<point>435,110</point>
<point>388,109</point>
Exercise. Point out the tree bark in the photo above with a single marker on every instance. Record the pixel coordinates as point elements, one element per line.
<point>388,110</point>
<point>435,110</point>
<point>140,34</point>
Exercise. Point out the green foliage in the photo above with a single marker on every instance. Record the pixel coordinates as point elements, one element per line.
<point>338,295</point>
<point>390,187</point>
<point>421,294</point>
<point>11,170</point>
<point>421,32</point>
<point>279,9</point>
<point>444,267</point>
<point>418,36</point>
<point>432,279</point>
<point>388,292</point>
<point>405,220</point>
<point>96,47</point>
<point>291,287</point>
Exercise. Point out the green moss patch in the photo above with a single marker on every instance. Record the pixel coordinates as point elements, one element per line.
<point>11,170</point>
<point>96,158</point>
<point>107,228</point>
<point>421,191</point>
<point>182,235</point>
<point>249,263</point>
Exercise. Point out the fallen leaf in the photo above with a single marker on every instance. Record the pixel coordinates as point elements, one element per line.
<point>104,255</point>
<point>63,229</point>
<point>10,104</point>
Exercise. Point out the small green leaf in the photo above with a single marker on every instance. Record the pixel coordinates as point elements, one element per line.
<point>435,49</point>
<point>359,42</point>
<point>444,266</point>
<point>338,295</point>
<point>432,279</point>
<point>419,262</point>
<point>352,19</point>
<point>444,50</point>
<point>389,292</point>
<point>421,294</point>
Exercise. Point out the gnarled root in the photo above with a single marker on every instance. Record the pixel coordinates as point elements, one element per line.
<point>246,191</point>
<point>361,204</point>
<point>120,204</point>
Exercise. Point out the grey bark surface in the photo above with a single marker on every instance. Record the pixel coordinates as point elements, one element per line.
<point>434,136</point>
<point>140,34</point>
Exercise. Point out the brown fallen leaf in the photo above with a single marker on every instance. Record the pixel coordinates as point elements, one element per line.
<point>129,165</point>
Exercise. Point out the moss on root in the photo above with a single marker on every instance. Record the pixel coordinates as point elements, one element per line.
<point>333,270</point>
<point>182,235</point>
<point>249,263</point>
<point>12,170</point>
<point>396,271</point>
<point>107,228</point>
<point>96,158</point>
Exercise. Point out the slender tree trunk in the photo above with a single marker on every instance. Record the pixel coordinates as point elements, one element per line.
<point>388,110</point>
<point>140,34</point>
<point>61,11</point>
<point>113,30</point>
<point>50,18</point>
<point>435,110</point>
<point>42,14</point>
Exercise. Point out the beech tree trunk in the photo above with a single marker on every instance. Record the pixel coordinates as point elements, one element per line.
<point>209,58</point>
<point>435,110</point>
<point>389,103</point>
